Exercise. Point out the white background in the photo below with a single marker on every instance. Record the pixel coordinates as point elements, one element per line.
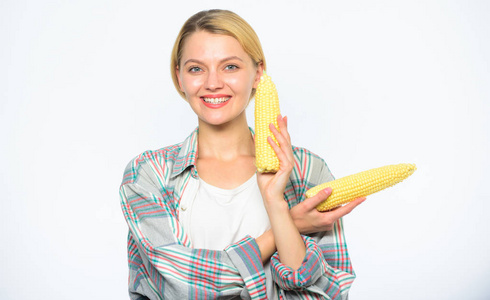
<point>85,87</point>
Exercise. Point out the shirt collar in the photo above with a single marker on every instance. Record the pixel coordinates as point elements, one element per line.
<point>187,155</point>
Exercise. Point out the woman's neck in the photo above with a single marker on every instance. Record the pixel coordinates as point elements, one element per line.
<point>226,141</point>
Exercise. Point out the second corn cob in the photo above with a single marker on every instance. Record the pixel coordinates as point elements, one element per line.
<point>266,112</point>
<point>365,183</point>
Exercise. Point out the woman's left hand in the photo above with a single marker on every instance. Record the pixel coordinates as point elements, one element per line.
<point>309,220</point>
<point>272,185</point>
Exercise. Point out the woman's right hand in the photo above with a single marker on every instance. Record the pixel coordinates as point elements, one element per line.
<point>309,220</point>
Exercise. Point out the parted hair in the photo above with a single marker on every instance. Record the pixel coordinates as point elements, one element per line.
<point>217,21</point>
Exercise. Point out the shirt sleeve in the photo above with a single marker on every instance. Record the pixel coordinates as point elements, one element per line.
<point>161,266</point>
<point>326,271</point>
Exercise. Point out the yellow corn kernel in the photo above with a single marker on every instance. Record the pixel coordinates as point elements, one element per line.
<point>266,111</point>
<point>358,185</point>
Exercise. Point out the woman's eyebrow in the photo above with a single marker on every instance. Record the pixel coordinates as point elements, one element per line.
<point>221,61</point>
<point>231,58</point>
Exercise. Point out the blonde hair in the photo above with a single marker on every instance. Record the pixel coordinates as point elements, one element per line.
<point>217,21</point>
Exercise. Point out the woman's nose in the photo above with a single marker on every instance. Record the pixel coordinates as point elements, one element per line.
<point>213,81</point>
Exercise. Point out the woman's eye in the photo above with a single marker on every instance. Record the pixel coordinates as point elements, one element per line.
<point>231,67</point>
<point>194,69</point>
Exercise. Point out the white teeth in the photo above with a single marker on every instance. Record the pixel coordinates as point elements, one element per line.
<point>216,100</point>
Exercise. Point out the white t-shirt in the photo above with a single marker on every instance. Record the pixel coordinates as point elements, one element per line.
<point>218,217</point>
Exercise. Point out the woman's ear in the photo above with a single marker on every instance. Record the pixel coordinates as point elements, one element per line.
<point>260,71</point>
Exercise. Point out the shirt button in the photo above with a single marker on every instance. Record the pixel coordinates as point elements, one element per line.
<point>183,208</point>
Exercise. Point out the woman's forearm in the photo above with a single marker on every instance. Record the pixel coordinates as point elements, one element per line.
<point>288,241</point>
<point>267,245</point>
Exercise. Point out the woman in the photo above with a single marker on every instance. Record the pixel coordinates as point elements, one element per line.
<point>203,224</point>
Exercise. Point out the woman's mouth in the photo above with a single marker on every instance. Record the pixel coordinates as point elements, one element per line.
<point>215,100</point>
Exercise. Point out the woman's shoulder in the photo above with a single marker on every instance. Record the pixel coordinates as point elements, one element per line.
<point>162,163</point>
<point>304,155</point>
<point>159,162</point>
<point>166,153</point>
<point>310,167</point>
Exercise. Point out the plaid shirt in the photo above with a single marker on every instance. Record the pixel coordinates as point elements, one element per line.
<point>162,264</point>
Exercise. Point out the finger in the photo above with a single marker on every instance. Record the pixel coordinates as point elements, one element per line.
<point>278,150</point>
<point>281,139</point>
<point>283,127</point>
<point>284,130</point>
<point>285,165</point>
<point>343,210</point>
<point>312,203</point>
<point>283,143</point>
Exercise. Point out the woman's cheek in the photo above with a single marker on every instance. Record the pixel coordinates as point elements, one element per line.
<point>232,82</point>
<point>194,84</point>
<point>239,84</point>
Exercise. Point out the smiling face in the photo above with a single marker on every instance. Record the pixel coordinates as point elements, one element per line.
<point>217,76</point>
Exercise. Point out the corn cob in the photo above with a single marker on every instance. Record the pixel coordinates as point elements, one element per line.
<point>266,111</point>
<point>358,185</point>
